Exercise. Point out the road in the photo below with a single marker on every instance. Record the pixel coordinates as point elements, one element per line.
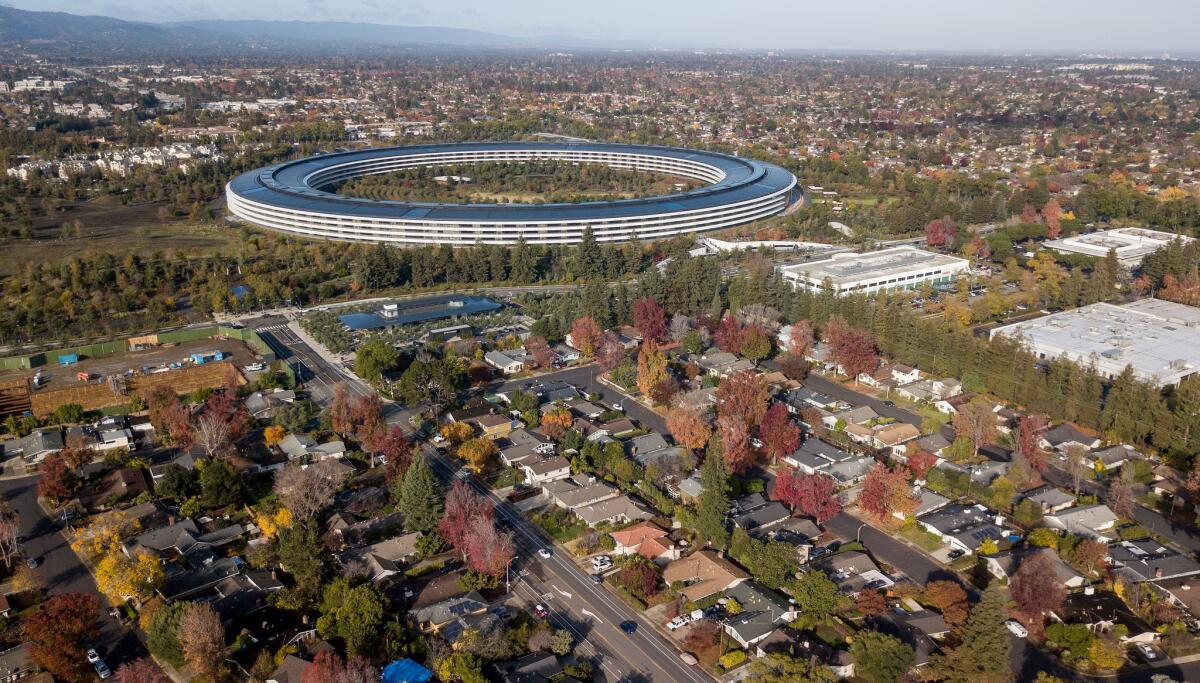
<point>61,570</point>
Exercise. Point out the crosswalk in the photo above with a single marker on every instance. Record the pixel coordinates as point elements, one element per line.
<point>273,328</point>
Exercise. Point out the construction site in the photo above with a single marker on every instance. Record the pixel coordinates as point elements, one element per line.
<point>213,357</point>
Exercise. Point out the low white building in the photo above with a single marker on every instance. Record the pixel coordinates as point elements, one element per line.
<point>877,271</point>
<point>1131,245</point>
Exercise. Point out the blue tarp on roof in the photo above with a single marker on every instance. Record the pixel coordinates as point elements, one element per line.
<point>405,671</point>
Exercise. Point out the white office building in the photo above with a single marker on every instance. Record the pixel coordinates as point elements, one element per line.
<point>1130,244</point>
<point>875,271</point>
<point>1159,339</point>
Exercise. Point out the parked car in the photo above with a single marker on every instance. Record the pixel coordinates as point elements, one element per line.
<point>629,627</point>
<point>688,658</point>
<point>540,611</point>
<point>600,562</point>
<point>596,578</point>
<point>1147,652</point>
<point>1016,628</point>
<point>502,612</point>
<point>102,669</point>
<point>955,554</point>
<point>679,622</point>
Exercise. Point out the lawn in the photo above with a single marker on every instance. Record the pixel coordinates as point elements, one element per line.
<point>560,524</point>
<point>922,538</point>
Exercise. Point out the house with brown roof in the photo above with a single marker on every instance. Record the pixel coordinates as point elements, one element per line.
<point>703,574</point>
<point>493,426</point>
<point>648,540</point>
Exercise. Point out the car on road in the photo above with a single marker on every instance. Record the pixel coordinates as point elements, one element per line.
<point>688,658</point>
<point>890,404</point>
<point>92,655</point>
<point>596,578</point>
<point>544,553</point>
<point>540,611</point>
<point>1148,653</point>
<point>1016,628</point>
<point>956,553</point>
<point>33,562</point>
<point>102,669</point>
<point>629,626</point>
<point>818,552</point>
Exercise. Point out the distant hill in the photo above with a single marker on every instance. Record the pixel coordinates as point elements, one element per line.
<point>352,33</point>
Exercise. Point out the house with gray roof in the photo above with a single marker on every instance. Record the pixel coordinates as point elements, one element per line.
<point>1050,498</point>
<point>615,510</point>
<point>433,617</point>
<point>761,520</point>
<point>1004,565</point>
<point>385,558</point>
<point>1089,520</point>
<point>1151,561</point>
<point>577,491</point>
<point>1063,436</point>
<point>545,469</point>
<point>35,446</point>
<point>763,610</point>
<point>1112,457</point>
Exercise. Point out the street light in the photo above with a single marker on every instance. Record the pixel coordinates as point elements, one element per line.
<point>858,535</point>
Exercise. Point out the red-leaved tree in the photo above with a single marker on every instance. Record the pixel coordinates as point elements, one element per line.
<point>390,444</point>
<point>58,631</point>
<point>1051,214</point>
<point>729,334</point>
<point>585,333</point>
<point>779,434</point>
<point>941,231</point>
<point>537,347</point>
<point>688,427</point>
<point>328,667</point>
<point>609,351</point>
<point>58,481</point>
<point>140,671</point>
<point>1029,428</point>
<point>735,438</point>
<point>853,347</point>
<point>341,414</point>
<point>920,462</point>
<point>886,491</point>
<point>812,494</point>
<point>488,549</point>
<point>800,339</point>
<point>463,505</point>
<point>743,395</point>
<point>650,319</point>
<point>1036,586</point>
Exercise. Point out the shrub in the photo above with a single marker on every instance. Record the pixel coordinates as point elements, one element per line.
<point>733,659</point>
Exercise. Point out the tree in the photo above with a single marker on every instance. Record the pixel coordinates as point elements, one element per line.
<point>307,490</point>
<point>169,416</point>
<point>420,497</point>
<point>609,352</point>
<point>58,631</point>
<point>162,633</point>
<point>1028,429</point>
<point>1036,586</point>
<point>880,658</point>
<point>688,426</point>
<point>728,335</point>
<point>755,343</point>
<point>366,417</point>
<point>853,348</point>
<point>487,549</point>
<point>1090,554</point>
<point>870,603</point>
<point>799,339</point>
<point>650,319</point>
<point>353,613</point>
<point>301,555</point>
<point>651,366</point>
<point>941,232</point>
<point>885,492</point>
<point>178,483</point>
<point>735,440</point>
<point>477,452</point>
<point>779,434</point>
<point>1077,465</point>
<point>211,432</point>
<point>121,577</point>
<point>373,358</point>
<point>273,434</point>
<point>556,422</point>
<point>816,596</point>
<point>220,484</point>
<point>818,497</point>
<point>202,638</point>
<point>713,504</point>
<point>328,667</point>
<point>391,445</point>
<point>919,463</point>
<point>1120,496</point>
<point>585,334</point>
<point>1051,214</point>
<point>539,348</point>
<point>743,395</point>
<point>141,670</point>
<point>640,577</point>
<point>10,532</point>
<point>459,667</point>
<point>58,481</point>
<point>463,505</point>
<point>976,421</point>
<point>949,598</point>
<point>457,432</point>
<point>561,642</point>
<point>778,667</point>
<point>983,653</point>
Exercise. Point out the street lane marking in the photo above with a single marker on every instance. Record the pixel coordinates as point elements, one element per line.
<point>562,592</point>
<point>589,614</point>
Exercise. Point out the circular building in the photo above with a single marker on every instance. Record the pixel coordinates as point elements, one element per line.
<point>295,196</point>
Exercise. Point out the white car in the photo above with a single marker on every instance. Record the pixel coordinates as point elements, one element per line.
<point>544,553</point>
<point>679,622</point>
<point>1147,652</point>
<point>92,656</point>
<point>1016,628</point>
<point>601,562</point>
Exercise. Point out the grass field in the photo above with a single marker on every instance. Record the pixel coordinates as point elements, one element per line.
<point>109,226</point>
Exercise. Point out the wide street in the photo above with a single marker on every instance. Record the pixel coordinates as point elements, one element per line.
<point>61,570</point>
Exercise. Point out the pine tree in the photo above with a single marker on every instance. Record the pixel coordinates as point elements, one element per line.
<point>982,655</point>
<point>524,266</point>
<point>714,502</point>
<point>420,496</point>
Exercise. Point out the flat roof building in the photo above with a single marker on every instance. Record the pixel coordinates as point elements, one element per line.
<point>1130,244</point>
<point>875,271</point>
<point>1159,339</point>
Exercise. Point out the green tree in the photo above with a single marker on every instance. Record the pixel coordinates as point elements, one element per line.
<point>880,658</point>
<point>354,614</point>
<point>816,596</point>
<point>373,358</point>
<point>67,413</point>
<point>162,633</point>
<point>419,496</point>
<point>982,655</point>
<point>713,504</point>
<point>220,484</point>
<point>177,483</point>
<point>778,667</point>
<point>300,552</point>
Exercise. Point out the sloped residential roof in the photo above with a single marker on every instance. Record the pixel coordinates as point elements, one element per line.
<point>706,572</point>
<point>447,610</point>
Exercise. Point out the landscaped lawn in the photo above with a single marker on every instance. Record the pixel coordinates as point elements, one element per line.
<point>560,524</point>
<point>925,540</point>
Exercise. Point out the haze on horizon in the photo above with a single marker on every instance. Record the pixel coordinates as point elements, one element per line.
<point>1150,27</point>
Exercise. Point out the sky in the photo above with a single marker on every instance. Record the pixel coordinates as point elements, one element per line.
<point>1108,26</point>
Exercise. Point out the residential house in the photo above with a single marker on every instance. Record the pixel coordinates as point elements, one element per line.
<point>759,521</point>
<point>803,398</point>
<point>902,374</point>
<point>880,378</point>
<point>951,404</point>
<point>688,490</point>
<point>246,593</point>
<point>118,485</point>
<point>1089,520</point>
<point>946,387</point>
<point>806,648</point>
<point>722,363</point>
<point>493,426</point>
<point>648,540</point>
<point>586,409</point>
<point>893,436</point>
<point>35,446</point>
<point>917,392</point>
<point>17,663</point>
<point>557,390</point>
<point>702,574</point>
<point>577,491</point>
<point>385,558</point>
<point>927,502</point>
<point>931,443</point>
<point>616,510</point>
<point>545,469</point>
<point>1112,457</point>
<point>565,354</point>
<point>290,670</point>
<point>1050,499</point>
<point>852,416</point>
<point>852,571</point>
<point>262,404</point>
<point>925,622</point>
<point>1005,564</point>
<point>763,610</point>
<point>650,448</point>
<point>505,362</point>
<point>187,460</point>
<point>1102,612</point>
<point>814,455</point>
<point>523,444</point>
<point>432,618</point>
<point>1149,560</point>
<point>303,447</point>
<point>1062,437</point>
<point>963,527</point>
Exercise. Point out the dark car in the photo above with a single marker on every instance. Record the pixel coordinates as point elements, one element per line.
<point>890,404</point>
<point>596,578</point>
<point>629,627</point>
<point>955,554</point>
<point>33,562</point>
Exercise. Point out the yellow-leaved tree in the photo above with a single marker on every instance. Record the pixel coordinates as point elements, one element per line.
<point>273,435</point>
<point>104,534</point>
<point>121,577</point>
<point>477,452</point>
<point>271,523</point>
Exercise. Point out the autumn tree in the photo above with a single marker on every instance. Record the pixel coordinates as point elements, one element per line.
<point>58,481</point>
<point>976,421</point>
<point>142,670</point>
<point>488,550</point>
<point>58,632</point>
<point>779,434</point>
<point>728,335</point>
<point>121,577</point>
<point>650,319</point>
<point>273,434</point>
<point>305,491</point>
<point>870,603</point>
<point>554,423</point>
<point>585,333</point>
<point>743,395</point>
<point>949,598</point>
<point>1036,586</point>
<point>885,492</point>
<point>457,432</point>
<point>1052,215</point>
<point>539,348</point>
<point>1120,496</point>
<point>919,462</point>
<point>941,232</point>
<point>812,494</point>
<point>688,426</point>
<point>755,343</point>
<point>853,348</point>
<point>651,366</point>
<point>735,438</point>
<point>477,452</point>
<point>341,417</point>
<point>799,339</point>
<point>1090,554</point>
<point>391,445</point>
<point>1029,427</point>
<point>462,505</point>
<point>203,639</point>
<point>609,351</point>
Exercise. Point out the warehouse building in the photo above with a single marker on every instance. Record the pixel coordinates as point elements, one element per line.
<point>1130,244</point>
<point>876,271</point>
